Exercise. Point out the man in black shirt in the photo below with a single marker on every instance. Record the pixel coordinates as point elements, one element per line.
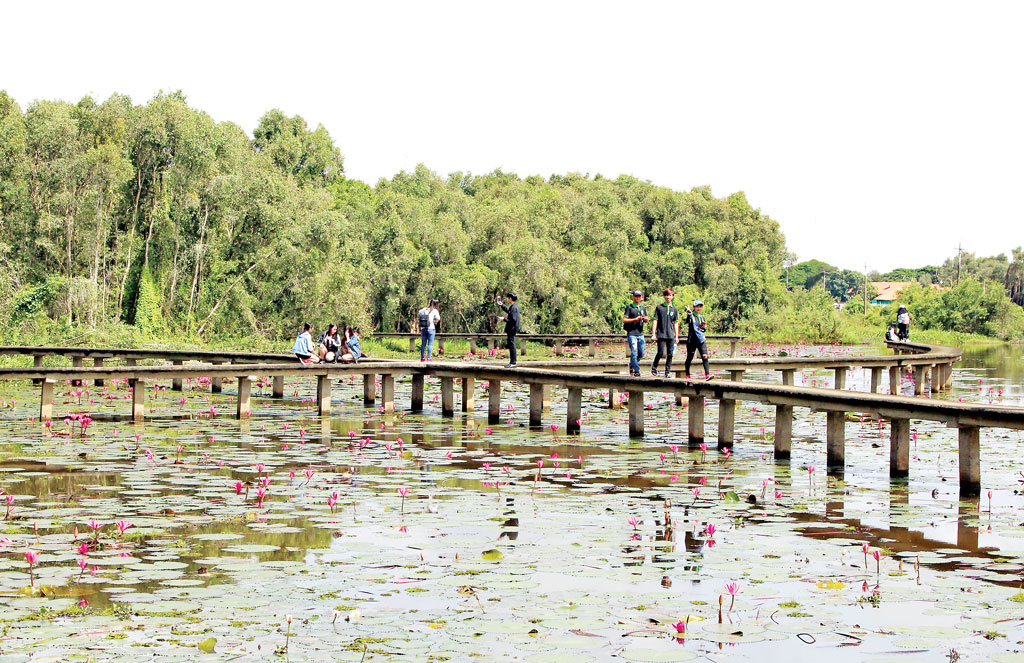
<point>633,322</point>
<point>512,326</point>
<point>665,331</point>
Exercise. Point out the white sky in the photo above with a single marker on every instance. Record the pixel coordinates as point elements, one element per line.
<point>874,132</point>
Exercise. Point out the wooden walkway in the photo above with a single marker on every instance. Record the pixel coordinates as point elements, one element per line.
<point>969,418</point>
<point>558,341</point>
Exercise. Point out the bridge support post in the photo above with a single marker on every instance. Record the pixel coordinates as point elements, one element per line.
<point>46,401</point>
<point>412,345</point>
<point>37,362</point>
<point>736,376</point>
<point>138,399</point>
<point>841,377</point>
<point>176,382</point>
<point>547,398</point>
<point>217,382</point>
<point>447,397</point>
<point>98,363</point>
<point>899,448</point>
<point>387,392</point>
<point>490,345</point>
<point>494,401</point>
<point>783,431</point>
<point>679,376</point>
<point>417,393</point>
<point>732,348</point>
<point>947,377</point>
<point>244,401</point>
<point>522,346</point>
<point>559,348</point>
<point>970,461</point>
<point>131,362</point>
<point>726,422</point>
<point>574,411</point>
<point>787,376</point>
<point>76,362</point>
<point>836,440</point>
<point>876,379</point>
<point>369,389</point>
<point>591,350</point>
<point>695,432</point>
<point>468,394</point>
<point>472,345</point>
<point>323,394</point>
<point>536,403</point>
<point>894,380</point>
<point>277,389</point>
<point>636,414</point>
<point>613,399</point>
<point>920,376</point>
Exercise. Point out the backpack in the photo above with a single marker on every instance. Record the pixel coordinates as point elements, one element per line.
<point>424,319</point>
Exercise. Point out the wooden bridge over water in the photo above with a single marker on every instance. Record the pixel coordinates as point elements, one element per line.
<point>540,377</point>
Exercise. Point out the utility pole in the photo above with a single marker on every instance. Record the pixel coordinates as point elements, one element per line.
<point>865,289</point>
<point>959,261</point>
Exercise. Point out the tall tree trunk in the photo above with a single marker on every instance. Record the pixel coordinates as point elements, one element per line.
<point>131,238</point>
<point>174,267</point>
<point>199,261</point>
<point>152,217</point>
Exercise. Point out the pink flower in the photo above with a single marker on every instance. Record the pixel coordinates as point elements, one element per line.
<point>122,526</point>
<point>83,549</point>
<point>680,627</point>
<point>259,468</point>
<point>696,492</point>
<point>31,556</point>
<point>83,563</point>
<point>403,491</point>
<point>634,521</point>
<point>733,588</point>
<point>309,474</point>
<point>710,529</point>
<point>95,524</point>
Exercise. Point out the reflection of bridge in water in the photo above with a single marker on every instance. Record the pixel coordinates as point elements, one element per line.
<point>899,410</point>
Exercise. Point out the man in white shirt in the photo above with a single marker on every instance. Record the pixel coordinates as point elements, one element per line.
<point>428,318</point>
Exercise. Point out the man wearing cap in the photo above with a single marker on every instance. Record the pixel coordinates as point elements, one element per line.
<point>512,326</point>
<point>695,338</point>
<point>633,322</point>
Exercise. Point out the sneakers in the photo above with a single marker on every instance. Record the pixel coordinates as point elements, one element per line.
<point>511,366</point>
<point>667,374</point>
<point>709,376</point>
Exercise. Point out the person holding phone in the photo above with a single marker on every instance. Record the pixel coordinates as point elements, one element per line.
<point>513,325</point>
<point>633,323</point>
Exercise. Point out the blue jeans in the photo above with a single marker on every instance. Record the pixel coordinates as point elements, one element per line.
<point>427,343</point>
<point>636,352</point>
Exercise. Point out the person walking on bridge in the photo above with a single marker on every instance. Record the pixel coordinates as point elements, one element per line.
<point>665,331</point>
<point>696,339</point>
<point>633,323</point>
<point>513,325</point>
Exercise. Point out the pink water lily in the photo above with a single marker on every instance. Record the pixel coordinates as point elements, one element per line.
<point>122,526</point>
<point>634,521</point>
<point>733,588</point>
<point>31,556</point>
<point>680,627</point>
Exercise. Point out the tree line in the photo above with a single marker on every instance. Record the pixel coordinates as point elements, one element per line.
<point>155,216</point>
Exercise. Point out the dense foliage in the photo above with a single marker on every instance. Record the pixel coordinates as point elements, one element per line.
<point>156,216</point>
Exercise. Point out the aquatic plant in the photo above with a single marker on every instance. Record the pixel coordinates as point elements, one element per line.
<point>31,556</point>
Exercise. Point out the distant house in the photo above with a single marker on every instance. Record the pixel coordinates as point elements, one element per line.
<point>888,291</point>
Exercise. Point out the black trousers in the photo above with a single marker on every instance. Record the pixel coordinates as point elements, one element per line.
<point>665,348</point>
<point>904,331</point>
<point>692,346</point>
<point>511,343</point>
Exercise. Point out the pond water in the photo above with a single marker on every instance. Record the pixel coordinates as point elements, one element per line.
<point>443,541</point>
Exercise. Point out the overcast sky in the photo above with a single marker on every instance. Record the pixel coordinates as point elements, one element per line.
<point>878,133</point>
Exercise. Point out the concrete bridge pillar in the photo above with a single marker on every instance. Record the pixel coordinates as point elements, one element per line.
<point>369,389</point>
<point>176,382</point>
<point>559,349</point>
<point>98,363</point>
<point>783,431</point>
<point>695,409</point>
<point>323,395</point>
<point>920,376</point>
<point>899,448</point>
<point>468,394</point>
<point>536,403</point>
<point>447,397</point>
<point>46,401</point>
<point>574,412</point>
<point>277,388</point>
<point>894,380</point>
<point>787,376</point>
<point>37,362</point>
<point>591,347</point>
<point>387,392</point>
<point>472,344</point>
<point>217,382</point>
<point>876,379</point>
<point>970,461</point>
<point>947,376</point>
<point>840,377</point>
<point>76,362</point>
<point>243,404</point>
<point>836,440</point>
<point>417,393</point>
<point>636,413</point>
<point>138,398</point>
<point>412,345</point>
<point>726,422</point>
<point>732,348</point>
<point>494,401</point>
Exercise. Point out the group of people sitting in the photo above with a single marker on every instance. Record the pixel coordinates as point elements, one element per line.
<point>333,346</point>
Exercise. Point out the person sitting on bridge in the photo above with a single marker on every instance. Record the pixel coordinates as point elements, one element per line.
<point>329,343</point>
<point>353,350</point>
<point>696,339</point>
<point>303,347</point>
